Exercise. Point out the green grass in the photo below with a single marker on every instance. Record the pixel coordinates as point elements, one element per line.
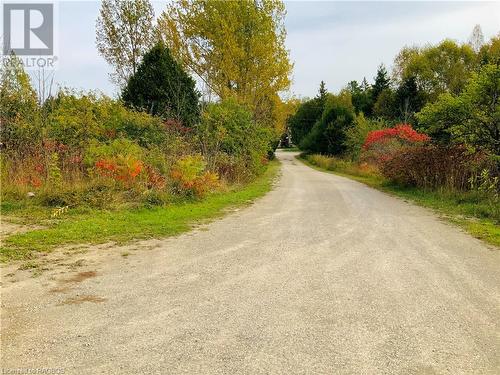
<point>470,211</point>
<point>98,226</point>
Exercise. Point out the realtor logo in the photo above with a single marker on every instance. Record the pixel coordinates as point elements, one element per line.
<point>28,29</point>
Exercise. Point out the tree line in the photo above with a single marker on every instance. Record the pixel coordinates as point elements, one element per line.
<point>432,123</point>
<point>448,91</point>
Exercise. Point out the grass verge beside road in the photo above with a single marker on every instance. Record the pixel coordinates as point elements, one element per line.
<point>98,226</point>
<point>467,210</point>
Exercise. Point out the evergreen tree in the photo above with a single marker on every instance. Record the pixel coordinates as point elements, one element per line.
<point>365,86</point>
<point>328,135</point>
<point>383,108</point>
<point>161,87</point>
<point>322,91</point>
<point>361,97</point>
<point>303,120</point>
<point>409,100</point>
<point>381,82</point>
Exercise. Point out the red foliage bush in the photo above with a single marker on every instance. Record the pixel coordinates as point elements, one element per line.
<point>402,132</point>
<point>155,180</point>
<point>125,172</point>
<point>176,125</point>
<point>381,144</point>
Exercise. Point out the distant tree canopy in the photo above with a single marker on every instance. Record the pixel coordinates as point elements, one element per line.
<point>307,113</point>
<point>449,91</point>
<point>124,32</point>
<point>162,88</point>
<point>361,95</point>
<point>236,47</point>
<point>490,52</point>
<point>302,121</point>
<point>445,67</point>
<point>320,124</point>
<point>472,117</point>
<point>328,135</point>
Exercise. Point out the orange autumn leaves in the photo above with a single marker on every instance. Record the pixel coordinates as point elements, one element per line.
<point>191,178</point>
<point>188,175</point>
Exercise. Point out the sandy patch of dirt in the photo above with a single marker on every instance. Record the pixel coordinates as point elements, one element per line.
<point>8,228</point>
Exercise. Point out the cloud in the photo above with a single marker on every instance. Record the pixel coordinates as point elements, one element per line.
<point>339,42</point>
<point>331,41</point>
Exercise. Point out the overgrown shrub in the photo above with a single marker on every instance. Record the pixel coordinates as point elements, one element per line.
<point>85,149</point>
<point>356,135</point>
<point>77,119</point>
<point>431,167</point>
<point>380,145</point>
<point>191,178</point>
<point>232,143</point>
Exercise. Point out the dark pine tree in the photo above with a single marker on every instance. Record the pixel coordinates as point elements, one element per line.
<point>301,123</point>
<point>361,96</point>
<point>382,82</point>
<point>365,86</point>
<point>322,91</point>
<point>162,88</point>
<point>409,100</point>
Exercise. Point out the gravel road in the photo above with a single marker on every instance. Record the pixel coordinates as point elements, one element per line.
<point>321,276</point>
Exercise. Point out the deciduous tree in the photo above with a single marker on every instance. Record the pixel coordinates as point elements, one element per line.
<point>236,47</point>
<point>124,32</point>
<point>445,67</point>
<point>473,117</point>
<point>476,39</point>
<point>18,104</point>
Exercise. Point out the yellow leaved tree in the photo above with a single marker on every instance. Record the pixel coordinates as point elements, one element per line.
<point>237,48</point>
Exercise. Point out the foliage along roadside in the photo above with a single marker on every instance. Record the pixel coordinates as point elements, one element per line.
<point>99,226</point>
<point>429,132</point>
<point>469,210</point>
<point>90,150</point>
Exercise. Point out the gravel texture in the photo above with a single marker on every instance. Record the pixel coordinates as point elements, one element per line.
<point>321,276</point>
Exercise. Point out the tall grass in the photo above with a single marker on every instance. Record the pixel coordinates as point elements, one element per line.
<point>331,163</point>
<point>476,210</point>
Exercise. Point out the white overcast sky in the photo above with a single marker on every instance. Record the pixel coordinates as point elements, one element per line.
<point>331,41</point>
